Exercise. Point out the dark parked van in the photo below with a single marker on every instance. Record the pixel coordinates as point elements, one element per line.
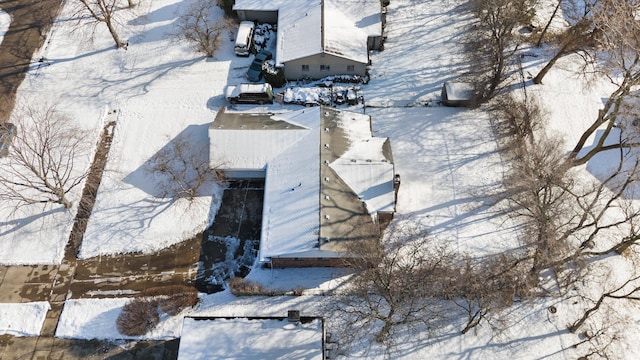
<point>250,94</point>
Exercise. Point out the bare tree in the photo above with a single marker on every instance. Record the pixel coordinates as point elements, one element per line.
<point>607,297</point>
<point>102,12</point>
<point>629,290</point>
<point>564,218</point>
<point>48,159</point>
<point>542,34</point>
<point>492,42</point>
<point>539,196</point>
<point>581,37</point>
<point>483,287</point>
<point>516,122</point>
<point>182,168</point>
<point>395,286</point>
<point>199,27</point>
<point>620,56</point>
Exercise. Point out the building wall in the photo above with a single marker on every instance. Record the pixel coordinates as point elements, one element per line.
<point>309,262</point>
<point>260,16</point>
<point>337,66</point>
<point>244,174</point>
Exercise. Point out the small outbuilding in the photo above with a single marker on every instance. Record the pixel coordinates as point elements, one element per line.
<point>457,94</point>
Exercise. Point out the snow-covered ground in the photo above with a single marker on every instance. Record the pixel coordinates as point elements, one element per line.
<point>23,319</point>
<point>5,21</point>
<point>96,318</point>
<point>161,90</point>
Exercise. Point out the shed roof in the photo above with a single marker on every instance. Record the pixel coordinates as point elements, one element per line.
<point>459,91</point>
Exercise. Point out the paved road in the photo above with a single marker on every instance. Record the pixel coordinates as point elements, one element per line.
<point>31,20</point>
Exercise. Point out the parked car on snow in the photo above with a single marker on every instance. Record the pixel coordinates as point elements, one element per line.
<point>340,97</point>
<point>254,73</point>
<point>352,97</point>
<point>7,133</point>
<point>244,38</point>
<point>250,94</point>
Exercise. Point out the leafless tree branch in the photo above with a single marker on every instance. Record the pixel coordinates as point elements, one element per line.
<point>44,163</point>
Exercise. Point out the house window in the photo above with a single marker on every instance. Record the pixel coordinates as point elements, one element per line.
<point>324,68</point>
<point>351,68</point>
<point>305,67</point>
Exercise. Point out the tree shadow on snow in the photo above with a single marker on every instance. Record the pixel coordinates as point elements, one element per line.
<point>17,224</point>
<point>604,165</point>
<point>193,139</point>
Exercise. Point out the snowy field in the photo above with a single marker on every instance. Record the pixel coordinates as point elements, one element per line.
<point>162,91</point>
<point>23,319</point>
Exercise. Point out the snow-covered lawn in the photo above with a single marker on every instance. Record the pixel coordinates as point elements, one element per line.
<point>23,319</point>
<point>37,234</point>
<point>421,52</point>
<point>449,166</point>
<point>157,91</point>
<point>96,319</point>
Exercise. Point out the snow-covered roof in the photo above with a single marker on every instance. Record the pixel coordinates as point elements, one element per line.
<point>346,26</point>
<point>239,149</point>
<point>290,220</point>
<point>457,91</point>
<point>251,338</point>
<point>366,166</point>
<point>341,35</point>
<point>293,158</point>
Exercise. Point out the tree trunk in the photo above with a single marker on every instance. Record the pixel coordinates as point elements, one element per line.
<point>383,334</point>
<point>474,320</point>
<point>576,325</point>
<point>67,204</point>
<point>562,51</point>
<point>538,79</point>
<point>544,31</point>
<point>573,156</point>
<point>114,34</point>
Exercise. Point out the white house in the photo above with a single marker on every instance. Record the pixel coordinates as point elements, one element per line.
<point>318,38</point>
<point>328,181</point>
